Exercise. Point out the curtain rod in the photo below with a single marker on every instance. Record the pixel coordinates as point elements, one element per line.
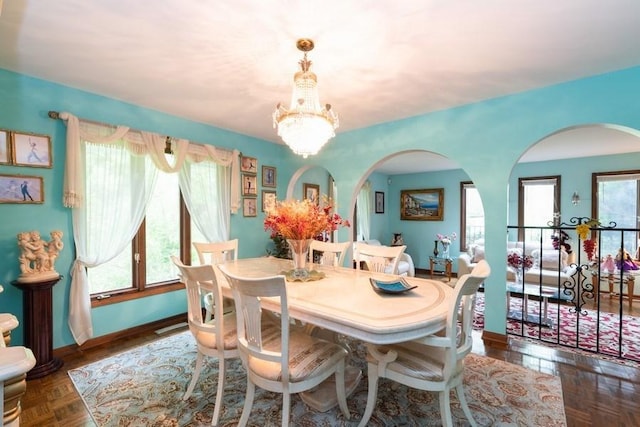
<point>56,116</point>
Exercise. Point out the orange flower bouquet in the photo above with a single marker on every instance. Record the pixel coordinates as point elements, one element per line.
<point>302,219</point>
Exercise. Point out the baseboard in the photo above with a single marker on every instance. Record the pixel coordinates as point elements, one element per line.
<point>495,340</point>
<point>73,349</point>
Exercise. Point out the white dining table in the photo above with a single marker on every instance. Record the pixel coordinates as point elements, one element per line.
<point>343,301</point>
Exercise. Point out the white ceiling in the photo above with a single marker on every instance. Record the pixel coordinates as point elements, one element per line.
<point>228,62</point>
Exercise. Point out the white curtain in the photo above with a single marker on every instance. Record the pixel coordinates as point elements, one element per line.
<point>109,205</point>
<point>364,211</point>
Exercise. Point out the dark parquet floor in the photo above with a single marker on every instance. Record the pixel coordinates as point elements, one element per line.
<point>596,392</point>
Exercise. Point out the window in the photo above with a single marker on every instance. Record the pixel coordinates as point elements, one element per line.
<point>471,215</point>
<point>143,263</point>
<point>538,206</point>
<point>617,196</point>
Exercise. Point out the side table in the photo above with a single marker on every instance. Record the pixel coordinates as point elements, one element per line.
<point>446,262</point>
<point>38,325</point>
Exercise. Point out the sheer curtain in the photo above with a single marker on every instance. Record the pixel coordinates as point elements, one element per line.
<point>363,205</point>
<point>109,203</point>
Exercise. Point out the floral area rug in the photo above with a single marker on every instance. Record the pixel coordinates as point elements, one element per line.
<point>608,335</point>
<point>144,387</point>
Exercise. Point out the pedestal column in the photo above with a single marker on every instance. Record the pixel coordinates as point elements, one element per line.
<point>38,325</point>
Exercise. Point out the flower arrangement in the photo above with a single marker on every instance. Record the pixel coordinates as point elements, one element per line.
<point>303,219</point>
<point>446,239</point>
<point>519,262</point>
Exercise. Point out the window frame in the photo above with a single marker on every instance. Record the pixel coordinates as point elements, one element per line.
<point>556,202</point>
<point>140,288</point>
<point>464,186</point>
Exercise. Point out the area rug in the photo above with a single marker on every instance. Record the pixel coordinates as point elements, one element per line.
<point>144,387</point>
<point>605,334</point>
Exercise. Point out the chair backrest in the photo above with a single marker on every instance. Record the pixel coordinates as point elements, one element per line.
<point>460,315</point>
<point>200,280</point>
<point>333,253</point>
<point>382,259</point>
<point>217,252</point>
<point>247,293</point>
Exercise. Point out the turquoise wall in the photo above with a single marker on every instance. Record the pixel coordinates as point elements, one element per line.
<point>486,139</point>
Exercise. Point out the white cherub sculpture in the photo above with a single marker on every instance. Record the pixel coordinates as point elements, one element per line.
<point>37,257</point>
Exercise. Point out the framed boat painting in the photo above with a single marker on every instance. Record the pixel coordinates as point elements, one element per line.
<point>422,205</point>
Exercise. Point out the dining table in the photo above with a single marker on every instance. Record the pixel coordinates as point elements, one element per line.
<point>344,301</point>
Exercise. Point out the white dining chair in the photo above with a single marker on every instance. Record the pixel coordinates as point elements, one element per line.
<point>215,338</point>
<point>215,253</point>
<point>436,362</point>
<point>281,360</point>
<point>333,253</point>
<point>381,259</point>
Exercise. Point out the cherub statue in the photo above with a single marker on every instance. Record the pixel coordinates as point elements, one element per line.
<point>37,257</point>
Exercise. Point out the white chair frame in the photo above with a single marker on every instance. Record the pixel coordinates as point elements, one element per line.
<point>333,253</point>
<point>215,253</point>
<point>377,258</point>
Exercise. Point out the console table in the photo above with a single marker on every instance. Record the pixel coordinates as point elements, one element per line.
<point>38,325</point>
<point>446,262</point>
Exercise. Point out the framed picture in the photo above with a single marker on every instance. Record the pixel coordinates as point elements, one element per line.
<point>422,205</point>
<point>29,149</point>
<point>249,185</point>
<point>268,200</point>
<point>248,164</point>
<point>268,176</point>
<point>4,147</point>
<point>21,189</point>
<point>249,206</point>
<point>311,192</point>
<point>379,202</point>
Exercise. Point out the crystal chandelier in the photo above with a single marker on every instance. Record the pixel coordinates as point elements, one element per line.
<point>305,127</point>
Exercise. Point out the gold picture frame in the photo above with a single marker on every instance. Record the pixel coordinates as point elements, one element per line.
<point>422,205</point>
<point>311,192</point>
<point>268,200</point>
<point>30,149</point>
<point>269,176</point>
<point>249,185</point>
<point>249,206</point>
<point>21,189</point>
<point>248,164</point>
<point>5,154</point>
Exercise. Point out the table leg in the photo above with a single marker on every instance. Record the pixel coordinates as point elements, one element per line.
<point>431,265</point>
<point>448,270</point>
<point>631,284</point>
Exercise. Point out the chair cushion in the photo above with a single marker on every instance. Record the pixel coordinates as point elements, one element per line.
<point>208,339</point>
<point>308,356</point>
<point>416,361</point>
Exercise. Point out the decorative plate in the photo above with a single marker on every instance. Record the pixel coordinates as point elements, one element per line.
<point>313,276</point>
<point>397,286</point>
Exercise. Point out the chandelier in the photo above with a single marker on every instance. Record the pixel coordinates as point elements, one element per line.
<point>305,127</point>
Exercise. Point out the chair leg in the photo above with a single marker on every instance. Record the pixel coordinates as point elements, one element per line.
<point>219,392</point>
<point>286,407</point>
<point>194,376</point>
<point>341,392</point>
<point>371,396</point>
<point>248,403</point>
<point>465,406</point>
<point>445,408</point>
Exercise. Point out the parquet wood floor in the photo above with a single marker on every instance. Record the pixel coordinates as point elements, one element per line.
<point>596,392</point>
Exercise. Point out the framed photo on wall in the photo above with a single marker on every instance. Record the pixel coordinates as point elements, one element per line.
<point>422,205</point>
<point>379,202</point>
<point>4,147</point>
<point>268,200</point>
<point>21,189</point>
<point>249,206</point>
<point>249,185</point>
<point>311,192</point>
<point>28,149</point>
<point>268,176</point>
<point>248,164</point>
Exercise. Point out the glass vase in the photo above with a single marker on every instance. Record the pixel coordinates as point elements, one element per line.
<point>445,250</point>
<point>300,256</point>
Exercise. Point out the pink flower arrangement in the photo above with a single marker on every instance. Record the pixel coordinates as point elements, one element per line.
<point>446,239</point>
<point>518,262</point>
<point>303,219</point>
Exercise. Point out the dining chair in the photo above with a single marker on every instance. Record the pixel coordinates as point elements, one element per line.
<point>333,253</point>
<point>435,362</point>
<point>215,253</point>
<point>381,259</point>
<point>215,338</point>
<point>282,360</point>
